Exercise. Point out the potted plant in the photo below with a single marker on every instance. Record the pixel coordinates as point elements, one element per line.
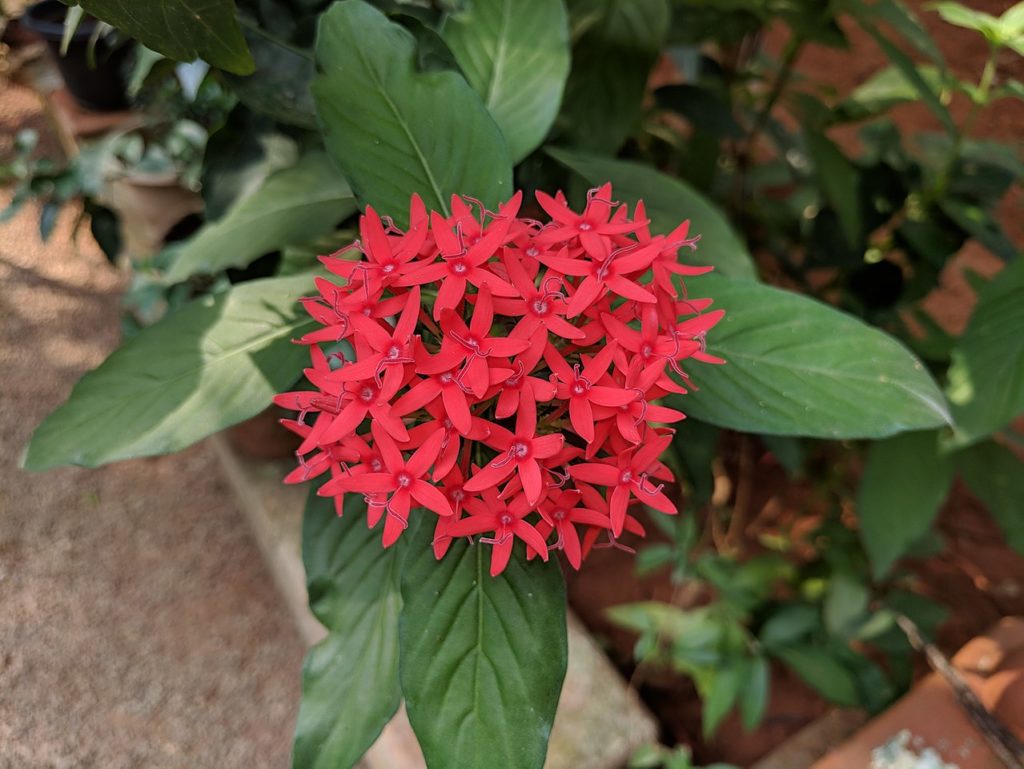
<point>92,57</point>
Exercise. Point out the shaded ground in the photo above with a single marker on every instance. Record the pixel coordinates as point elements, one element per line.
<point>138,626</point>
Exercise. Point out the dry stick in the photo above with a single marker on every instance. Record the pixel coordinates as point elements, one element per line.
<point>1007,748</point>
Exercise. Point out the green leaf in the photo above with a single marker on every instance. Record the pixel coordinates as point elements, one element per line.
<point>822,671</point>
<point>962,16</point>
<point>180,29</point>
<point>798,367</point>
<point>905,481</point>
<point>840,181</point>
<point>515,53</point>
<point>395,131</point>
<point>669,202</point>
<point>981,224</point>
<point>909,69</point>
<point>719,689</point>
<point>615,44</point>
<point>280,85</point>
<point>846,602</point>
<point>986,380</point>
<point>994,476</point>
<point>350,685</point>
<point>904,21</point>
<point>755,692</point>
<point>216,361</point>
<point>886,89</point>
<point>789,623</point>
<point>483,657</point>
<point>294,205</point>
<point>239,157</point>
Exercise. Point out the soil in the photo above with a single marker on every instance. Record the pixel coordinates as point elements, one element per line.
<point>139,626</point>
<point>978,578</point>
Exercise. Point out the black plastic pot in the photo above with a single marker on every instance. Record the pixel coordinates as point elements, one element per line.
<point>99,88</point>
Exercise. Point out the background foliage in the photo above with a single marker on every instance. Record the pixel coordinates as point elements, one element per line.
<point>824,249</point>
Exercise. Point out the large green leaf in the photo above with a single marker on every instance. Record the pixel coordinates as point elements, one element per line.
<point>995,476</point>
<point>798,367</point>
<point>180,29</point>
<point>350,684</point>
<point>216,361</point>
<point>986,380</point>
<point>615,44</point>
<point>905,481</point>
<point>515,53</point>
<point>483,657</point>
<point>395,131</point>
<point>295,205</point>
<point>668,202</point>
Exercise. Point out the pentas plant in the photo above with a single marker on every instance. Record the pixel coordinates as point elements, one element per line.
<point>501,374</point>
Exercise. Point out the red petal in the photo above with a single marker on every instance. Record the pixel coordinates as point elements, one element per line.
<point>431,497</point>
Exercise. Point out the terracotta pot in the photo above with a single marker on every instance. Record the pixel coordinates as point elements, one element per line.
<point>930,720</point>
<point>148,205</point>
<point>96,81</point>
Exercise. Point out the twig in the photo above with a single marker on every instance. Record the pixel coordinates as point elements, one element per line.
<point>1007,748</point>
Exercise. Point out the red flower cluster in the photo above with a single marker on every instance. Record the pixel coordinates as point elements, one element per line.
<point>509,371</point>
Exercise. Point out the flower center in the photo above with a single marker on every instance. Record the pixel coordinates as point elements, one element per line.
<point>505,519</point>
<point>459,267</point>
<point>626,477</point>
<point>533,251</point>
<point>367,393</point>
<point>446,377</point>
<point>403,480</point>
<point>519,449</point>
<point>458,495</point>
<point>585,227</point>
<point>559,514</point>
<point>394,352</point>
<point>388,268</point>
<point>579,387</point>
<point>376,464</point>
<point>646,351</point>
<point>541,306</point>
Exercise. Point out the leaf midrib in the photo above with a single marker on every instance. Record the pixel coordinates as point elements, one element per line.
<point>438,195</point>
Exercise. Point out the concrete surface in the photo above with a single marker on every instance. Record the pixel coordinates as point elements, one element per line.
<point>139,627</point>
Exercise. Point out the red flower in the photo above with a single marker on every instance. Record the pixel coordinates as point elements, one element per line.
<point>581,390</point>
<point>629,476</point>
<point>439,335</point>
<point>521,452</point>
<point>561,514</point>
<point>471,347</point>
<point>505,519</point>
<point>402,482</point>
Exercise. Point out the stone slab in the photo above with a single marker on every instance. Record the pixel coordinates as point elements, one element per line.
<point>600,721</point>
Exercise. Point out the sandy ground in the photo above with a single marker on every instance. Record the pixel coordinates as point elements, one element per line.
<point>138,625</point>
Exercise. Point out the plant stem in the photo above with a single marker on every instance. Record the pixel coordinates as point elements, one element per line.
<point>745,153</point>
<point>979,102</point>
<point>789,56</point>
